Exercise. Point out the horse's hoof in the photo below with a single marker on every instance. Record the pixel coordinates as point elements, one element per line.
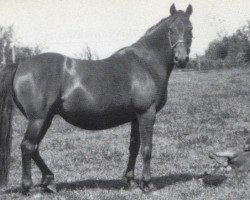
<point>47,179</point>
<point>132,185</point>
<point>26,187</point>
<point>147,187</point>
<point>49,188</point>
<point>26,191</point>
<point>48,184</point>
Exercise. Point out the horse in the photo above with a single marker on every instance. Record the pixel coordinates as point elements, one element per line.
<point>129,86</point>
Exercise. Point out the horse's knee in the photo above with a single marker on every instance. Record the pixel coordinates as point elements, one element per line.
<point>146,153</point>
<point>27,147</point>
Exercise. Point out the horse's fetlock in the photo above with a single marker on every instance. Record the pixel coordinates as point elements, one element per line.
<point>146,152</point>
<point>146,178</point>
<point>130,174</point>
<point>28,148</point>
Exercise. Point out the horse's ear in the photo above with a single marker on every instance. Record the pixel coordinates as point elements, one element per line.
<point>189,10</point>
<point>172,9</point>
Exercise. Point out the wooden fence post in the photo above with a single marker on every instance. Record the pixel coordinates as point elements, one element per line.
<point>199,63</point>
<point>3,53</point>
<point>13,53</point>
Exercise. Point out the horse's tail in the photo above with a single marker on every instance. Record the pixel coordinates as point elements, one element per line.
<point>6,104</point>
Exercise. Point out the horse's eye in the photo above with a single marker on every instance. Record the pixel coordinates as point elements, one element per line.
<point>189,40</point>
<point>190,28</point>
<point>189,34</point>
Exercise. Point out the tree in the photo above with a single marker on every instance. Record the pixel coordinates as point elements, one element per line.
<point>87,54</point>
<point>234,47</point>
<point>6,38</point>
<point>217,49</point>
<point>7,47</point>
<point>25,52</point>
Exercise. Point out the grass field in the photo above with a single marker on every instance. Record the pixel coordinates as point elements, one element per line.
<point>205,112</point>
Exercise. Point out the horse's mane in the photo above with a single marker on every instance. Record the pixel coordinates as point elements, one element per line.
<point>164,20</point>
<point>156,26</point>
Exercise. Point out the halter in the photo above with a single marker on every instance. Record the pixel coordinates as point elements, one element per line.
<point>174,45</point>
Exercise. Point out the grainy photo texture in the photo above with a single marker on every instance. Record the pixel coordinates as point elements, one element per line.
<point>119,99</point>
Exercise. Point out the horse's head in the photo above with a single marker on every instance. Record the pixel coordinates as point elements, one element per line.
<point>180,35</point>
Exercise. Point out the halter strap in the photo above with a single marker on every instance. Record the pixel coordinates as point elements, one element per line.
<point>174,45</point>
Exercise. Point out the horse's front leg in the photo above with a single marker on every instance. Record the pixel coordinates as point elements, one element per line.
<point>146,122</point>
<point>133,152</point>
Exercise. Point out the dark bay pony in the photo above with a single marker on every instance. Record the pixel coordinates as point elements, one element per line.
<point>129,86</point>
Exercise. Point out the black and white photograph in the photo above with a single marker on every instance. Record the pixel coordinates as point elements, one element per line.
<point>124,100</point>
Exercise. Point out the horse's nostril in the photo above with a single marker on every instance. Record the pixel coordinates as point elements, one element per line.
<point>176,59</point>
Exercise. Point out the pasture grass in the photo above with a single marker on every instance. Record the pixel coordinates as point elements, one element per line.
<point>206,112</point>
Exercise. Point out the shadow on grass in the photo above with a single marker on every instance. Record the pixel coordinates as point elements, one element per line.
<point>160,182</point>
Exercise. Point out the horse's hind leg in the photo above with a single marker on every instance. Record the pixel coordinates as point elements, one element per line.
<point>30,149</point>
<point>133,152</point>
<point>47,175</point>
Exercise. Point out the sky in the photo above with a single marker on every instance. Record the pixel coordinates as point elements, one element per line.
<point>66,26</point>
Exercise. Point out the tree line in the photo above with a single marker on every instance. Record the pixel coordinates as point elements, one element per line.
<point>226,51</point>
<point>11,52</point>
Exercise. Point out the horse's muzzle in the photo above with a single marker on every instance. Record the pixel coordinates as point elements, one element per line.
<point>181,62</point>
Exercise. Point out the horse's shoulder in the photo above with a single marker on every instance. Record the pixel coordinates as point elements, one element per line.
<point>143,89</point>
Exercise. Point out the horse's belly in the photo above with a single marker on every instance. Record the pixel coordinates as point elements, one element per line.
<point>96,113</point>
<point>97,120</point>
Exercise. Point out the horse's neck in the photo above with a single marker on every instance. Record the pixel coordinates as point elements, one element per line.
<point>154,50</point>
<point>157,52</point>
